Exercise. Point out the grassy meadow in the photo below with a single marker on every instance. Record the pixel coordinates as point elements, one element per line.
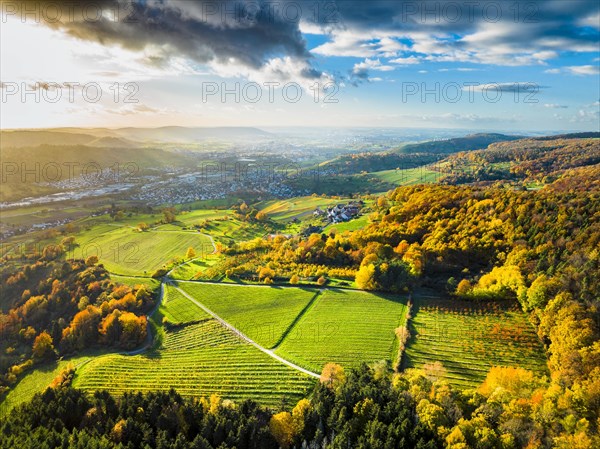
<point>127,251</point>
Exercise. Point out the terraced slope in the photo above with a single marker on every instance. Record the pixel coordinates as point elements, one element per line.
<point>198,360</point>
<point>346,327</point>
<point>468,338</point>
<point>264,314</point>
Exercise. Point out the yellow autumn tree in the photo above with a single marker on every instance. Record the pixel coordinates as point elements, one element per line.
<point>365,277</point>
<point>265,272</point>
<point>463,288</point>
<point>190,253</point>
<point>332,375</point>
<point>283,429</point>
<point>299,413</point>
<point>512,379</point>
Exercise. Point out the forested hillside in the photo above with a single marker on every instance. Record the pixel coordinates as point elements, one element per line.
<point>412,155</point>
<point>53,307</point>
<point>490,255</point>
<point>532,160</point>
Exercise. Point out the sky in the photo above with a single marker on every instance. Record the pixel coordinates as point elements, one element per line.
<point>482,65</point>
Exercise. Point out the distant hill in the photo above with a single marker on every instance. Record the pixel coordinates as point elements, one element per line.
<point>52,163</point>
<point>19,139</point>
<point>467,143</point>
<point>532,159</point>
<point>112,142</point>
<point>103,157</point>
<point>589,135</point>
<point>126,137</point>
<point>188,135</point>
<point>413,155</point>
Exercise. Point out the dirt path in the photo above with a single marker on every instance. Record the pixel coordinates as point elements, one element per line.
<point>166,280</point>
<point>245,337</point>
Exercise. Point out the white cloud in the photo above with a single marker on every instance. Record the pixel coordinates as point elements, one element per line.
<point>390,47</point>
<point>371,64</point>
<point>346,44</point>
<point>583,116</point>
<point>592,20</point>
<point>406,61</point>
<point>576,70</point>
<point>276,70</point>
<point>584,70</point>
<point>360,45</point>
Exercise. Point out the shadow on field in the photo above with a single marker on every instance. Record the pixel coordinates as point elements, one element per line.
<point>401,298</point>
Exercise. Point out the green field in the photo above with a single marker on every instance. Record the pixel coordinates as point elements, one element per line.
<point>190,269</point>
<point>37,381</point>
<point>301,207</point>
<point>126,251</point>
<point>352,225</point>
<point>222,225</point>
<point>198,359</point>
<point>262,313</point>
<point>151,283</point>
<point>470,337</point>
<point>420,175</point>
<point>178,309</point>
<point>346,327</point>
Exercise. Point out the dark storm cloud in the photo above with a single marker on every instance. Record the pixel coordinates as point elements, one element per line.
<point>462,16</point>
<point>251,32</point>
<point>241,32</point>
<point>555,24</point>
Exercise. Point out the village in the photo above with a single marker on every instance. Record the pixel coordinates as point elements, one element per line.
<point>340,212</point>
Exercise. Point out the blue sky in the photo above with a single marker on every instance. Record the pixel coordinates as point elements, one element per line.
<point>529,65</point>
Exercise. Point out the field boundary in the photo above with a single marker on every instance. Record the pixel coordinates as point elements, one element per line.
<point>240,334</point>
<point>305,310</point>
<point>402,339</point>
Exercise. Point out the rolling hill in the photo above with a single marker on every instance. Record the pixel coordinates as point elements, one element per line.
<point>412,155</point>
<point>126,137</point>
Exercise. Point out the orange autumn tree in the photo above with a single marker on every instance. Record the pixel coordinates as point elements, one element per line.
<point>43,346</point>
<point>124,329</point>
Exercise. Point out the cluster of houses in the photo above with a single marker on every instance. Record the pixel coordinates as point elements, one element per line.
<point>340,212</point>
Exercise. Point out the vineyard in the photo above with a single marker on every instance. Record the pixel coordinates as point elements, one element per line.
<point>262,313</point>
<point>301,207</point>
<point>408,176</point>
<point>198,360</point>
<point>199,357</point>
<point>178,309</point>
<point>469,337</point>
<point>346,327</point>
<point>36,381</point>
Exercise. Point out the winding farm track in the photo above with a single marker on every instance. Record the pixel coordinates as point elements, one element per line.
<point>166,280</point>
<point>245,337</point>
